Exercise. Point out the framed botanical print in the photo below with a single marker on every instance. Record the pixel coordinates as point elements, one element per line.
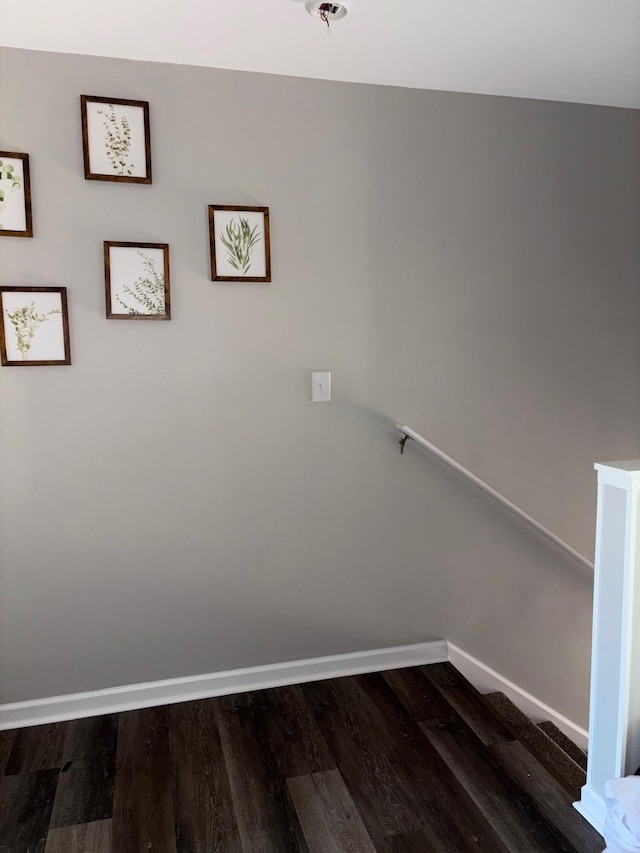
<point>239,241</point>
<point>15,195</point>
<point>136,277</point>
<point>35,326</point>
<point>116,140</point>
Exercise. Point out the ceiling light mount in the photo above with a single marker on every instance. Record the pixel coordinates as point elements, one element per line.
<point>328,12</point>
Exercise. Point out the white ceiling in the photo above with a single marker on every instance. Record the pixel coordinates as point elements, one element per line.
<point>565,50</point>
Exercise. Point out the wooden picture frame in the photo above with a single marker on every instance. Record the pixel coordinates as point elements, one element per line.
<point>239,243</point>
<point>136,279</point>
<point>15,195</point>
<point>35,326</point>
<point>116,140</point>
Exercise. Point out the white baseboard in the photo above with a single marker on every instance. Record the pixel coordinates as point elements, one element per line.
<point>487,680</point>
<point>592,807</point>
<point>152,693</point>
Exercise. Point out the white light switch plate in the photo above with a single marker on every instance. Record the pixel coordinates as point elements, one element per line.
<point>320,386</point>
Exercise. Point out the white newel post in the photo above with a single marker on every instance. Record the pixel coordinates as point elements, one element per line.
<point>614,719</point>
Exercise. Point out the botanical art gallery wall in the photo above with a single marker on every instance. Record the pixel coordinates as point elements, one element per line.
<point>116,144</point>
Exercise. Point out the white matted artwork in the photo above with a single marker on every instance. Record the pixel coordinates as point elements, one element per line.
<point>239,242</point>
<point>15,195</point>
<point>136,279</point>
<point>116,139</point>
<point>35,326</point>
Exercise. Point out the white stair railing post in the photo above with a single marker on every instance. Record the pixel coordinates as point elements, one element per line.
<point>614,720</point>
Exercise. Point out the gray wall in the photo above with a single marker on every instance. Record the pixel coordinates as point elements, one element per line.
<point>173,503</point>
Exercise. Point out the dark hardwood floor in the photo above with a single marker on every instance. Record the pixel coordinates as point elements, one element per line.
<point>408,761</point>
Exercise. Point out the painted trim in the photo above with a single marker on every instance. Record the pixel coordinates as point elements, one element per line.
<point>592,807</point>
<point>152,693</point>
<point>487,680</point>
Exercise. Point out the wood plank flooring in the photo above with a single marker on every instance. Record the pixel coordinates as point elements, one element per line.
<point>407,761</point>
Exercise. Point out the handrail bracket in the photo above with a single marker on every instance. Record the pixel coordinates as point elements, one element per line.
<point>403,441</point>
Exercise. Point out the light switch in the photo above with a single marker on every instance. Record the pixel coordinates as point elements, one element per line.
<point>321,386</point>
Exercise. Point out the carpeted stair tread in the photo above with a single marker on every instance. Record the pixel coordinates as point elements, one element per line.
<point>554,758</point>
<point>565,743</point>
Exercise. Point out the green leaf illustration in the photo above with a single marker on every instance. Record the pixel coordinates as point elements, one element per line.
<point>9,175</point>
<point>239,239</point>
<point>26,321</point>
<point>117,140</point>
<point>147,291</point>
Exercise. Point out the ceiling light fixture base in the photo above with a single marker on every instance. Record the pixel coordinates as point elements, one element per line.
<point>328,12</point>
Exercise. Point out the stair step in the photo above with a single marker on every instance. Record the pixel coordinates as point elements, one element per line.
<point>509,755</point>
<point>557,761</point>
<point>565,743</point>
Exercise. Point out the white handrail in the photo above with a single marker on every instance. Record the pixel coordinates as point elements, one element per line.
<point>409,433</point>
